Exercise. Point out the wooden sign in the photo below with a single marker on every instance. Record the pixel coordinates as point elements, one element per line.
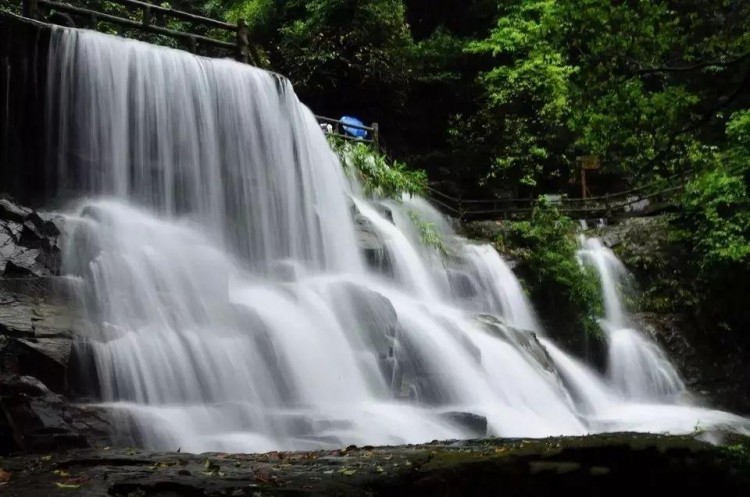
<point>589,162</point>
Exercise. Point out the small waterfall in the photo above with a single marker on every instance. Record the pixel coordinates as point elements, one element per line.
<point>637,366</point>
<point>215,240</point>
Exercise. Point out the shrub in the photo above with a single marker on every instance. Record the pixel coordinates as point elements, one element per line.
<point>566,293</point>
<point>379,176</point>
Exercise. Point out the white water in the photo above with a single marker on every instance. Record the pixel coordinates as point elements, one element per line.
<point>217,253</point>
<point>637,366</point>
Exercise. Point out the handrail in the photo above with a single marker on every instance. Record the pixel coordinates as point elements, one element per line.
<point>606,204</point>
<point>331,120</point>
<point>179,14</point>
<point>32,9</point>
<point>374,130</point>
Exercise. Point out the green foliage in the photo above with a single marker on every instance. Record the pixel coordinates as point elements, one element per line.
<point>566,292</point>
<point>379,176</point>
<point>429,234</point>
<point>639,84</point>
<point>714,225</point>
<point>527,97</point>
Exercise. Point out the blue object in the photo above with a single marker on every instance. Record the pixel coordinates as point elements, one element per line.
<point>355,132</point>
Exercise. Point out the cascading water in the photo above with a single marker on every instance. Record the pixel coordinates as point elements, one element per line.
<point>217,256</point>
<point>637,366</point>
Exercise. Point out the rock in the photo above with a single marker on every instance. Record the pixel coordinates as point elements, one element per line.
<point>39,420</point>
<point>372,247</point>
<point>29,243</point>
<point>462,284</point>
<point>11,211</point>
<point>45,359</point>
<point>384,211</point>
<point>475,424</point>
<point>613,465</point>
<point>524,340</point>
<point>38,324</point>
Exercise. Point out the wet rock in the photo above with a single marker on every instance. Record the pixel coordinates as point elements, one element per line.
<point>11,211</point>
<point>372,247</point>
<point>524,340</point>
<point>462,284</point>
<point>384,211</point>
<point>45,359</point>
<point>612,464</point>
<point>719,377</point>
<point>40,420</point>
<point>474,424</point>
<point>38,324</point>
<point>29,242</point>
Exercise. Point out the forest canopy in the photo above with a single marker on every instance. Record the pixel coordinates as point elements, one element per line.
<point>507,96</point>
<point>496,94</point>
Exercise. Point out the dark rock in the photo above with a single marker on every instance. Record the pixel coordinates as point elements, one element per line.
<point>37,325</point>
<point>40,420</point>
<point>29,243</point>
<point>384,211</point>
<point>475,424</point>
<point>612,465</point>
<point>10,211</point>
<point>372,247</point>
<point>524,340</point>
<point>462,284</point>
<point>45,359</point>
<point>719,377</point>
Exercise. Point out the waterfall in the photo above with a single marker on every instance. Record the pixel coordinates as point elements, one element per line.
<point>215,240</point>
<point>637,366</point>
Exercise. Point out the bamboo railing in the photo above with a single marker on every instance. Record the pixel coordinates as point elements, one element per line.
<point>37,9</point>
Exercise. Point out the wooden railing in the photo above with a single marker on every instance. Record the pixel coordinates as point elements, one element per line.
<point>651,197</point>
<point>373,132</point>
<point>150,15</point>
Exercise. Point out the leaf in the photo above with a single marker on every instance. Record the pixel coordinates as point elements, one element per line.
<point>69,486</point>
<point>348,472</point>
<point>5,476</point>
<point>61,473</point>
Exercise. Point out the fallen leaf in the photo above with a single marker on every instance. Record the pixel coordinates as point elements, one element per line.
<point>379,469</point>
<point>61,473</point>
<point>5,476</point>
<point>67,485</point>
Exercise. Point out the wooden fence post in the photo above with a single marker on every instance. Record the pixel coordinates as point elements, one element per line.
<point>147,15</point>
<point>607,212</point>
<point>376,135</point>
<point>242,42</point>
<point>31,9</point>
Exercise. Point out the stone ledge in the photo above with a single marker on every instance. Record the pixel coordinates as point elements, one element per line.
<point>613,464</point>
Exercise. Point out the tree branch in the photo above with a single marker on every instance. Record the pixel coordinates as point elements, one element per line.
<point>714,63</point>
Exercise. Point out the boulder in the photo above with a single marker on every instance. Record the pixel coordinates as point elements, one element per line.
<point>370,244</point>
<point>39,420</point>
<point>474,424</point>
<point>13,212</point>
<point>29,242</point>
<point>462,284</point>
<point>38,325</point>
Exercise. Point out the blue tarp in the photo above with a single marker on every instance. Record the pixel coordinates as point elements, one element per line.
<point>355,132</point>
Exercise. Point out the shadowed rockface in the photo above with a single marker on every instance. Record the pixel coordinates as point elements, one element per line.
<point>616,464</point>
